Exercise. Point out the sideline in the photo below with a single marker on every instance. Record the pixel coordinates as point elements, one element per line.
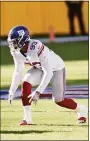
<point>74,91</point>
<point>57,40</point>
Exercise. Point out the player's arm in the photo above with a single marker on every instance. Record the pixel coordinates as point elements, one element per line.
<point>47,75</point>
<point>46,67</point>
<point>17,75</point>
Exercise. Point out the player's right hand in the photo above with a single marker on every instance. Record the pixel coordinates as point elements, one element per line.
<point>34,97</point>
<point>10,98</point>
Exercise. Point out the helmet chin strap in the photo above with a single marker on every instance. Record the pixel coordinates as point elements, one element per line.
<point>23,53</point>
<point>24,50</point>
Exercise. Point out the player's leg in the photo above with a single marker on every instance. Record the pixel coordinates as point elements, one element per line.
<point>32,78</point>
<point>58,89</point>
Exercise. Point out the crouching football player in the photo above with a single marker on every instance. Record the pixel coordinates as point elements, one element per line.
<point>46,67</point>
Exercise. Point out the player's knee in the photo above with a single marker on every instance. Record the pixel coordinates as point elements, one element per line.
<point>57,99</point>
<point>26,78</point>
<point>59,102</point>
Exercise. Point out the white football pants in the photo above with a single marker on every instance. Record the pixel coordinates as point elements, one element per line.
<point>34,77</point>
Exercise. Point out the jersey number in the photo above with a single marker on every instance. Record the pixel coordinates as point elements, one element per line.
<point>32,47</point>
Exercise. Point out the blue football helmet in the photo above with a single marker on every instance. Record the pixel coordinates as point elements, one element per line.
<point>18,37</point>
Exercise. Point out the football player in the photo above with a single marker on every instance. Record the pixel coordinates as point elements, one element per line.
<point>46,67</point>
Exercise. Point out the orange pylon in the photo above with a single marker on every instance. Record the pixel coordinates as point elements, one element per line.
<point>51,34</point>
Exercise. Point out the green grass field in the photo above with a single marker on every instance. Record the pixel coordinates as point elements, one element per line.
<point>76,73</point>
<point>68,51</point>
<point>50,122</point>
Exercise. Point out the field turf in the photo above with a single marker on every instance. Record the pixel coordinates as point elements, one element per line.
<point>50,122</point>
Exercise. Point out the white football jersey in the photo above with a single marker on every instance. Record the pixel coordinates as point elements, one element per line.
<point>40,57</point>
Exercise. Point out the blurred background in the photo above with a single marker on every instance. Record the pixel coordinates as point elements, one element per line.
<point>62,26</point>
<point>41,18</point>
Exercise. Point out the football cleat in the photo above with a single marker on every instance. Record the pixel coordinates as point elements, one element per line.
<point>82,114</point>
<point>24,122</point>
<point>81,120</point>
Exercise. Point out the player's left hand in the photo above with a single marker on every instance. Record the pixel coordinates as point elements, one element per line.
<point>10,98</point>
<point>34,97</point>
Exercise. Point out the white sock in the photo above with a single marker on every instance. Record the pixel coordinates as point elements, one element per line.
<point>81,110</point>
<point>27,114</point>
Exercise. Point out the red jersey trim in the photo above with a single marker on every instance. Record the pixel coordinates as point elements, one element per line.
<point>40,51</point>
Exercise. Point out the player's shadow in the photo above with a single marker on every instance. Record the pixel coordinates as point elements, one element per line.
<point>23,132</point>
<point>28,132</point>
<point>66,125</point>
<point>42,131</point>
